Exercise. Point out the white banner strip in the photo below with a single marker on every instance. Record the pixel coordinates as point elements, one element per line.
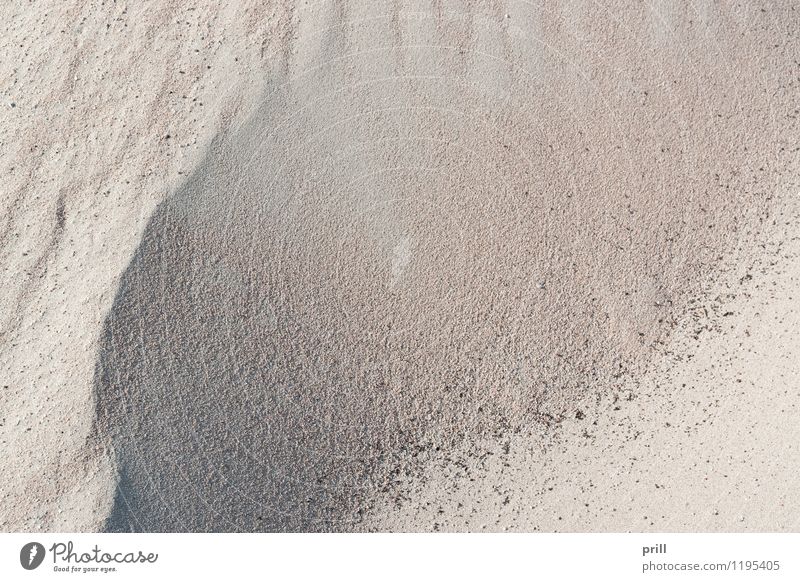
<point>378,557</point>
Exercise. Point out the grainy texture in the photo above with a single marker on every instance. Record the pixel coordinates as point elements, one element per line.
<point>113,104</point>
<point>402,231</point>
<point>706,440</point>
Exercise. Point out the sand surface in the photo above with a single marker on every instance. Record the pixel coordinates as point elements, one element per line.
<point>704,440</point>
<point>416,265</point>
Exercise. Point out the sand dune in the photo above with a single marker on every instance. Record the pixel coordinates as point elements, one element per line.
<point>409,232</point>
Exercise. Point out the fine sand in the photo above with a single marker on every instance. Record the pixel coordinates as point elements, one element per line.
<point>400,266</point>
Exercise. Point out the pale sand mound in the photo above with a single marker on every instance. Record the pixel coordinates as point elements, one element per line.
<point>441,223</point>
<point>436,227</point>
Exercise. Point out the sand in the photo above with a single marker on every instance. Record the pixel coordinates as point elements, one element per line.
<point>704,440</point>
<point>85,160</point>
<point>331,266</point>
